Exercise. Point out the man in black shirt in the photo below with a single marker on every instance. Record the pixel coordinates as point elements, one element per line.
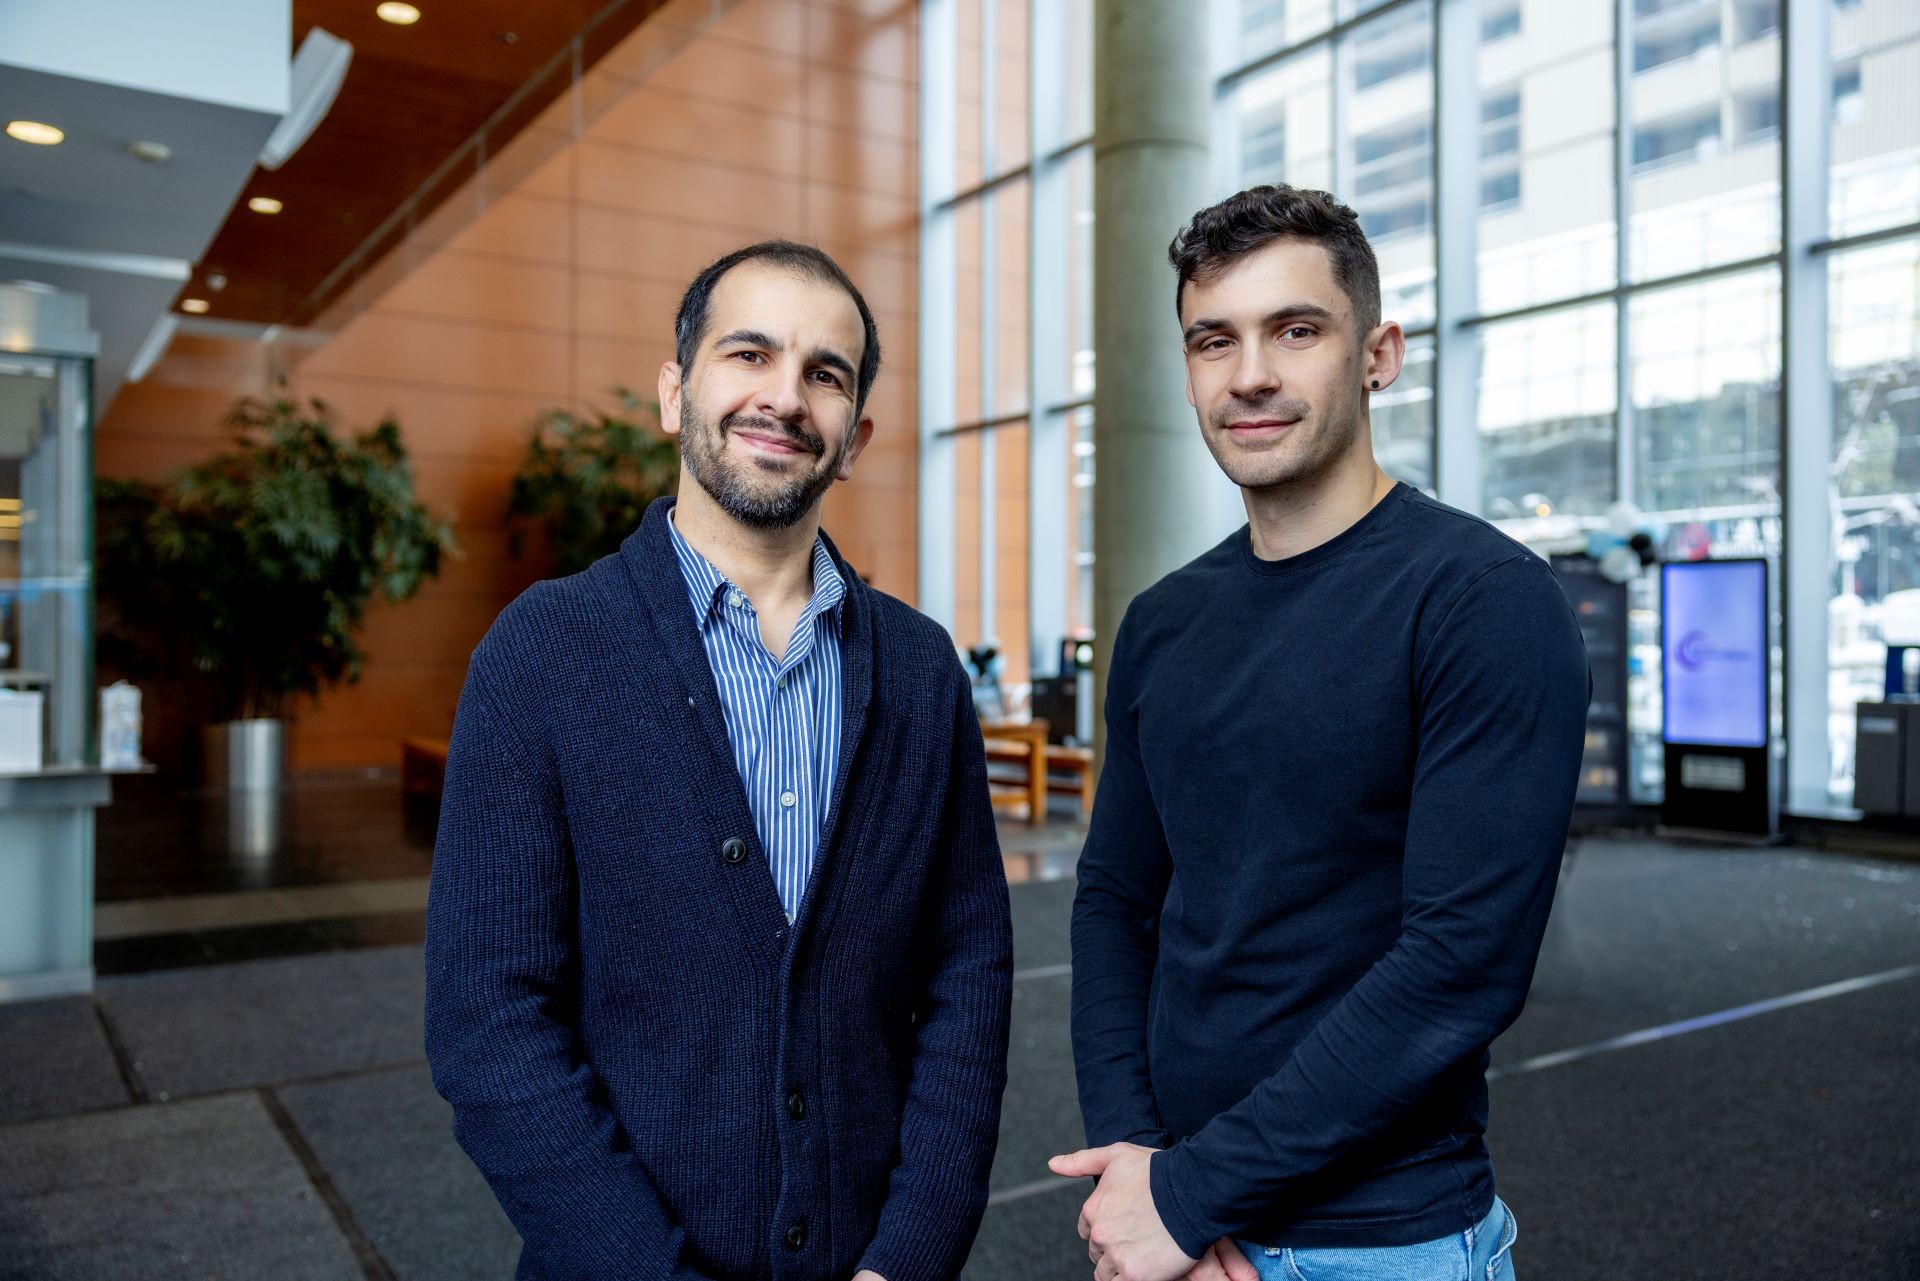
<point>1341,757</point>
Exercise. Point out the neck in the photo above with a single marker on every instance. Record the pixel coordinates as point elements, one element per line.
<point>772,566</point>
<point>1297,516</point>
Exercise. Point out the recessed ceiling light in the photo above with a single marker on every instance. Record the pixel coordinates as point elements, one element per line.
<point>157,153</point>
<point>194,305</point>
<point>34,132</point>
<point>400,15</point>
<point>265,205</point>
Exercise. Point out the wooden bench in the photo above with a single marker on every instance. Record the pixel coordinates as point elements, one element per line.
<point>1068,771</point>
<point>1024,742</point>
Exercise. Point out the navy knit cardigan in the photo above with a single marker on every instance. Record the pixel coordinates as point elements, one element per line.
<point>659,1077</point>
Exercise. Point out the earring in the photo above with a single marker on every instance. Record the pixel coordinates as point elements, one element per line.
<point>1376,384</point>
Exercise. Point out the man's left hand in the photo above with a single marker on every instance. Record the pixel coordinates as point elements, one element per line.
<point>1124,1235</point>
<point>868,1274</point>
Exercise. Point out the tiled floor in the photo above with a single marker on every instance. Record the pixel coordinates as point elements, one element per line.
<point>273,1117</point>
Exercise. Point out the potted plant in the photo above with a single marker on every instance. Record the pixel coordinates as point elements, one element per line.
<point>247,576</point>
<point>586,480</point>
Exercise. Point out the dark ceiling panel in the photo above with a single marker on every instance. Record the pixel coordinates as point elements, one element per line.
<point>412,96</point>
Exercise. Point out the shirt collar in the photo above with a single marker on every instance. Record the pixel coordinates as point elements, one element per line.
<point>706,584</point>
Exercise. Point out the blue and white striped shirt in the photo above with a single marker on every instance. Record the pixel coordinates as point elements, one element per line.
<point>783,717</point>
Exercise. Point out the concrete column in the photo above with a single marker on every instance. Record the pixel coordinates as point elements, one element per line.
<point>1158,498</point>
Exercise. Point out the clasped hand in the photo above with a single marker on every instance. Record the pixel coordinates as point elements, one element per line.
<point>1125,1238</point>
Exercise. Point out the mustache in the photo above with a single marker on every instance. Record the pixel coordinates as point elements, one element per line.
<point>1243,411</point>
<point>769,427</point>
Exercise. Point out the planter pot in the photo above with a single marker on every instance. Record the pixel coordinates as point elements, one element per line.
<point>243,756</point>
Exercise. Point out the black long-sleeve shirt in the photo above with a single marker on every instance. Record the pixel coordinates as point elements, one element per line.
<point>1323,849</point>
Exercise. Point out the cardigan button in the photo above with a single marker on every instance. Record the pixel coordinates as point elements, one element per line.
<point>797,1105</point>
<point>733,850</point>
<point>797,1236</point>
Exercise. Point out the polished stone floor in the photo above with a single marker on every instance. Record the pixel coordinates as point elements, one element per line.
<point>1717,1075</point>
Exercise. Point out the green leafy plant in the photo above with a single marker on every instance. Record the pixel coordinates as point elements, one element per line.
<point>586,481</point>
<point>248,575</point>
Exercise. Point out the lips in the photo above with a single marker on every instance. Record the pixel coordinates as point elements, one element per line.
<point>1252,426</point>
<point>773,444</point>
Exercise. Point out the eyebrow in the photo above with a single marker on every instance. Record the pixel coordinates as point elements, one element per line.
<point>1292,311</point>
<point>831,359</point>
<point>746,338</point>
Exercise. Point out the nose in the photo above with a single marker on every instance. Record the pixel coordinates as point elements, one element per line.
<point>782,396</point>
<point>1253,374</point>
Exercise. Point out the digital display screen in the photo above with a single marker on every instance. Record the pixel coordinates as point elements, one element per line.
<point>1714,652</point>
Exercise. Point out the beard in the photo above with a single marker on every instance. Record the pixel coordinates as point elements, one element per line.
<point>1313,445</point>
<point>759,494</point>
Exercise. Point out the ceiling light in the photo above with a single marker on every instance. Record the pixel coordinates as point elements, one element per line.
<point>34,132</point>
<point>198,306</point>
<point>400,15</point>
<point>265,205</point>
<point>157,153</point>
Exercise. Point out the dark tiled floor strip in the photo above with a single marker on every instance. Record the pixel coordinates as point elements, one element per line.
<point>180,949</point>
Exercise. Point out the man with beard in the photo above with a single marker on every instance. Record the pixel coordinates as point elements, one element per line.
<point>718,947</point>
<point>1341,756</point>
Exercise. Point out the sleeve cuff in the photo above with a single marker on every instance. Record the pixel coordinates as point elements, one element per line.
<point>927,1252</point>
<point>1191,1233</point>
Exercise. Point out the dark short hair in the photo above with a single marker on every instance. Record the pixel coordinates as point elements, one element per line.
<point>690,322</point>
<point>1221,234</point>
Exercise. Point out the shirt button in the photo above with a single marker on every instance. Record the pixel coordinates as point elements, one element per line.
<point>733,849</point>
<point>797,1236</point>
<point>796,1105</point>
<point>735,599</point>
<point>787,800</point>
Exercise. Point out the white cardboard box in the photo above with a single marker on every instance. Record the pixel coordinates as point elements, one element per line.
<point>21,720</point>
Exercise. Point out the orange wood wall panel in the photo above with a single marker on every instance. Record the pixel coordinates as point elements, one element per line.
<point>794,118</point>
<point>698,126</point>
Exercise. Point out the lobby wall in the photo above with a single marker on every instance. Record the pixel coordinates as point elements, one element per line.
<point>786,117</point>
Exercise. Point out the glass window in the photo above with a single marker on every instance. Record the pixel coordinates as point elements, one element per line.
<point>1874,303</point>
<point>1705,149</point>
<point>1547,414</point>
<point>1402,417</point>
<point>1664,43</point>
<point>1499,19</point>
<point>1875,143</point>
<point>1011,76</point>
<point>1005,365</point>
<point>1690,136</point>
<point>1755,20</point>
<point>1546,226</point>
<point>968,295</point>
<point>1500,150</point>
<point>967,532</point>
<point>1079,69</point>
<point>1079,266</point>
<point>1706,396</point>
<point>1383,114</point>
<point>1263,26</point>
<point>968,170</point>
<point>1007,386</point>
<point>46,587</point>
<point>1389,50</point>
<point>1286,123</point>
<point>1080,519</point>
<point>1010,629</point>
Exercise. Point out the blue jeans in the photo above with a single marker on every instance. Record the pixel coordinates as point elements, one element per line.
<point>1481,1253</point>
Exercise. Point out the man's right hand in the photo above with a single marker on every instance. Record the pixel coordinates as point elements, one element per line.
<point>1223,1261</point>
